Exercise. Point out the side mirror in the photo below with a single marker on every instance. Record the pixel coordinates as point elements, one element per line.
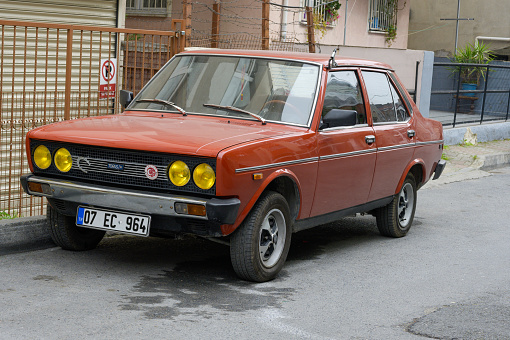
<point>337,117</point>
<point>125,97</point>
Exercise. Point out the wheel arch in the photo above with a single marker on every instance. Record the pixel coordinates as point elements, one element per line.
<point>283,181</point>
<point>417,168</point>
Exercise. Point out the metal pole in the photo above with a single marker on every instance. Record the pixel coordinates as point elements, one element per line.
<point>345,20</point>
<point>484,94</point>
<point>457,97</point>
<point>457,27</point>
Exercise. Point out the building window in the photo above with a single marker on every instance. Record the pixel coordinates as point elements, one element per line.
<point>325,11</point>
<point>382,16</point>
<point>147,7</point>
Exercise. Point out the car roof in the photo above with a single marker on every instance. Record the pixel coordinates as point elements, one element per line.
<point>298,56</point>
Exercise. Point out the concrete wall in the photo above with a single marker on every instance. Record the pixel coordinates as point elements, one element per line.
<point>428,32</point>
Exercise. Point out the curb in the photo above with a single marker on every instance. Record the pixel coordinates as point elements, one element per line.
<point>484,133</point>
<point>24,234</point>
<point>491,162</point>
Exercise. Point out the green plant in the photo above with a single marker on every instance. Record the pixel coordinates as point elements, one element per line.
<point>325,16</point>
<point>479,53</point>
<point>445,157</point>
<point>475,157</point>
<point>6,216</point>
<point>391,34</point>
<point>390,9</point>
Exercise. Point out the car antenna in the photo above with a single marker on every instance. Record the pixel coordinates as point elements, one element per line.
<point>332,63</point>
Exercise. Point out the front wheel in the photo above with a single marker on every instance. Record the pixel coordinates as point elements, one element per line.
<point>259,248</point>
<point>66,234</point>
<point>395,219</point>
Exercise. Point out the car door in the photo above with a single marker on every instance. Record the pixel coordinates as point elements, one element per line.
<point>347,154</point>
<point>394,133</point>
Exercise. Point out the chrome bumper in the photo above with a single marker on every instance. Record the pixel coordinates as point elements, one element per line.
<point>222,211</point>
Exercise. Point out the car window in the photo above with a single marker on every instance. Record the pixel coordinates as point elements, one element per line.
<point>379,95</point>
<point>277,90</point>
<point>343,92</point>
<point>385,102</point>
<point>400,109</point>
<point>403,92</point>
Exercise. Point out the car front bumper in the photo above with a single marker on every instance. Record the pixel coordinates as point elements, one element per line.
<point>70,194</point>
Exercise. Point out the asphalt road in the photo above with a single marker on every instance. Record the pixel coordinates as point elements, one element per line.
<point>449,278</point>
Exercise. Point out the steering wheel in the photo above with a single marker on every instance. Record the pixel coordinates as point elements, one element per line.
<point>281,102</point>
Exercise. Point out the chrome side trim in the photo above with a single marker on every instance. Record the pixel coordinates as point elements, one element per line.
<point>336,128</point>
<point>338,155</point>
<point>347,154</point>
<point>431,142</point>
<point>400,146</point>
<point>272,165</point>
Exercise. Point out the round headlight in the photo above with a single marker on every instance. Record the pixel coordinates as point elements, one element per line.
<point>42,157</point>
<point>179,173</point>
<point>63,160</point>
<point>204,176</point>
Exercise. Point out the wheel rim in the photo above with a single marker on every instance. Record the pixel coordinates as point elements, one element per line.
<point>272,238</point>
<point>405,205</point>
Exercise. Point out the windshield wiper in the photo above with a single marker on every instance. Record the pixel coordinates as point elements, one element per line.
<point>162,101</point>
<point>235,109</point>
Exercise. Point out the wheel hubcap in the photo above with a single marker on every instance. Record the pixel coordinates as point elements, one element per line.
<point>405,205</point>
<point>272,238</point>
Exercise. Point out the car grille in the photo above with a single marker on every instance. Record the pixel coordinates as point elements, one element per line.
<point>122,167</point>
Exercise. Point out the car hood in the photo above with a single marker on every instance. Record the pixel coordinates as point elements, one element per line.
<point>169,133</point>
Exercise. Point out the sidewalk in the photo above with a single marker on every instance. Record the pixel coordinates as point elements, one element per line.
<point>470,161</point>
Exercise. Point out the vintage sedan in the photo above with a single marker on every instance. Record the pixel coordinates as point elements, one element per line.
<point>245,146</point>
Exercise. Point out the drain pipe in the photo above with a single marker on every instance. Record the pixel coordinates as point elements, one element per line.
<point>283,31</point>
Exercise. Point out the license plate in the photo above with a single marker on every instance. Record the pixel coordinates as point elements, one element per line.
<point>113,221</point>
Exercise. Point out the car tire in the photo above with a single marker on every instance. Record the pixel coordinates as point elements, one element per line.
<point>259,247</point>
<point>66,234</point>
<point>395,219</point>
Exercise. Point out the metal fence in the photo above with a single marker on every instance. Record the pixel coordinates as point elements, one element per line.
<point>53,72</point>
<point>454,101</point>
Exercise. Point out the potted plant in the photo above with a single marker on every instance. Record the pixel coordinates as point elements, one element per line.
<point>326,16</point>
<point>480,54</point>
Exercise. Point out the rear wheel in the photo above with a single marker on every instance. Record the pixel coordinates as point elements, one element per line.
<point>259,248</point>
<point>67,235</point>
<point>396,218</point>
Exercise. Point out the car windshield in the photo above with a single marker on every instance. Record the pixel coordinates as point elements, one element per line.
<point>276,90</point>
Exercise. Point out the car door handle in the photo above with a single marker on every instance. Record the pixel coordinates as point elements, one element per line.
<point>411,133</point>
<point>370,139</point>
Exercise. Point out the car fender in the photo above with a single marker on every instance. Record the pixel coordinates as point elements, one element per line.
<point>267,181</point>
<point>414,162</point>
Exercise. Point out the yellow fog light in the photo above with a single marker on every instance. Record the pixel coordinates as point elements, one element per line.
<point>179,173</point>
<point>204,176</point>
<point>63,160</point>
<point>42,157</point>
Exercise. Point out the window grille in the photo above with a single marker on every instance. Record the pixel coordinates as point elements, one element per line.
<point>320,9</point>
<point>382,15</point>
<point>146,7</point>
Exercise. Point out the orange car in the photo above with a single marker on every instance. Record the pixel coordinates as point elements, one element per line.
<point>248,146</point>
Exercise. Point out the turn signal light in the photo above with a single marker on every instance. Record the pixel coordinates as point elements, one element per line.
<point>190,209</point>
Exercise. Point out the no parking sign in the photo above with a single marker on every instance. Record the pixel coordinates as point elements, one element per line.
<point>108,78</point>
